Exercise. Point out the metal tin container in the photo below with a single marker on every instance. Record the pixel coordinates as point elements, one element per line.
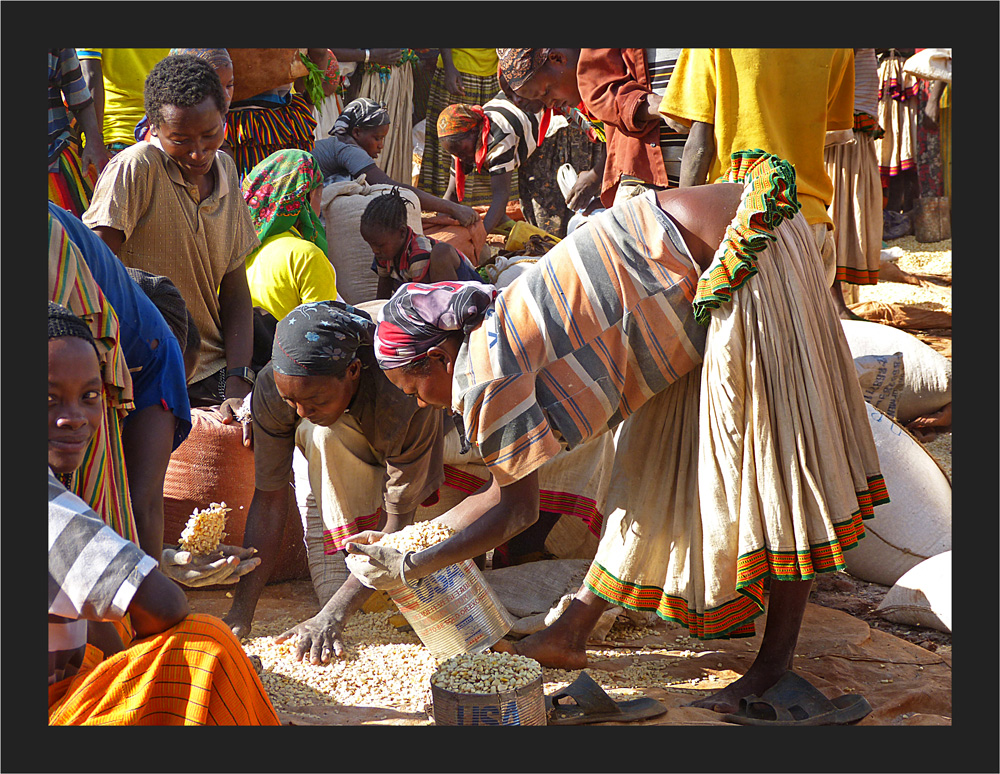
<point>524,706</point>
<point>453,610</point>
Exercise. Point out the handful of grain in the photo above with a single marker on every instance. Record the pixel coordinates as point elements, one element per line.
<point>205,529</point>
<point>486,672</point>
<point>414,537</point>
<point>243,413</point>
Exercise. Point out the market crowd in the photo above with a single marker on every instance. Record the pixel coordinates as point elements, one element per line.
<point>670,369</point>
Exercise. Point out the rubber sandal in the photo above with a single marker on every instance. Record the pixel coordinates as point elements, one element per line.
<point>593,705</point>
<point>794,701</point>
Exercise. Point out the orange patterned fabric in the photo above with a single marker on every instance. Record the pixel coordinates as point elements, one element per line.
<point>194,674</point>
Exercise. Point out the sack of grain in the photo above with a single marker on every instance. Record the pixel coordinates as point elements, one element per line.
<point>916,523</point>
<point>256,70</point>
<point>882,378</point>
<point>342,206</point>
<point>468,240</point>
<point>922,596</point>
<point>213,466</point>
<point>927,374</point>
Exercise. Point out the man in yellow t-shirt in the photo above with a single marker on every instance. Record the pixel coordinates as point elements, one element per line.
<point>782,101</point>
<point>116,77</point>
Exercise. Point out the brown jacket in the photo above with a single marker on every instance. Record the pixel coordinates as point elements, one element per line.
<point>613,82</point>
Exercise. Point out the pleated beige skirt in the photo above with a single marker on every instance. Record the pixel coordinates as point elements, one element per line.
<point>856,209</point>
<point>761,464</point>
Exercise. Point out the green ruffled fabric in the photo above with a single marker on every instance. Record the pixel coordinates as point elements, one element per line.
<point>769,197</point>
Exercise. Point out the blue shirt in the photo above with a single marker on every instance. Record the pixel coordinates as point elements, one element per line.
<point>158,376</point>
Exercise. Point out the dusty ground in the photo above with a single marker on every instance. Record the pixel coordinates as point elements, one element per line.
<point>845,645</point>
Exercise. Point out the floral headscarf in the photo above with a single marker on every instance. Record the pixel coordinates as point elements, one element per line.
<point>321,338</point>
<point>420,316</point>
<point>277,193</point>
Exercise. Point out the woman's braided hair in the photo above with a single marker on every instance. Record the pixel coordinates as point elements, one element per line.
<point>62,323</point>
<point>386,212</point>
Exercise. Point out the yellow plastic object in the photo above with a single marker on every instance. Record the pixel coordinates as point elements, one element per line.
<point>523,231</point>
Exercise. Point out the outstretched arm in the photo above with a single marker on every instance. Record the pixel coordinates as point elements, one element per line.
<point>466,216</point>
<point>321,637</point>
<point>484,520</point>
<point>264,527</point>
<point>500,191</point>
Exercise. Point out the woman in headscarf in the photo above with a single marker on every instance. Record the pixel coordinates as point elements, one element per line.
<point>373,455</point>
<point>356,140</point>
<point>291,266</point>
<point>764,468</point>
<point>180,669</point>
<point>504,135</point>
<point>467,76</point>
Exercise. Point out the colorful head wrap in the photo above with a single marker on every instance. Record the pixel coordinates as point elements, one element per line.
<point>420,316</point>
<point>217,57</point>
<point>518,64</point>
<point>277,193</point>
<point>362,113</point>
<point>62,323</point>
<point>321,338</point>
<point>459,119</point>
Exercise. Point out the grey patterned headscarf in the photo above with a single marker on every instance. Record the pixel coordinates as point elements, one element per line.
<point>320,339</point>
<point>362,113</point>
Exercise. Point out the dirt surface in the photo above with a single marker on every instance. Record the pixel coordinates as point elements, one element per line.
<point>860,599</point>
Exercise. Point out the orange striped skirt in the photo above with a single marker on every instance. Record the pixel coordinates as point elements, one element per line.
<point>193,674</point>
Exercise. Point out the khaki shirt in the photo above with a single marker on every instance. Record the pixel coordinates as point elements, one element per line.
<point>408,439</point>
<point>169,232</point>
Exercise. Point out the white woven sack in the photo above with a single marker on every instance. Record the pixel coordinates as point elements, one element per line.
<point>922,596</point>
<point>931,64</point>
<point>342,206</point>
<point>916,523</point>
<point>882,379</point>
<point>927,373</point>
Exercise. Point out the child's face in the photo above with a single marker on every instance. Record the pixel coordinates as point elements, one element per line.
<point>76,401</point>
<point>191,136</point>
<point>387,244</point>
<point>372,140</point>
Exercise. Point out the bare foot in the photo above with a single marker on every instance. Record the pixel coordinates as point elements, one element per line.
<point>728,699</point>
<point>547,649</point>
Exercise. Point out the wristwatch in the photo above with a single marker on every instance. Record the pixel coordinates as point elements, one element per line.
<point>244,373</point>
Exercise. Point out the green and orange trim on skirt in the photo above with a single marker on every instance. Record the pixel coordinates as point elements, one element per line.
<point>734,619</point>
<point>765,205</point>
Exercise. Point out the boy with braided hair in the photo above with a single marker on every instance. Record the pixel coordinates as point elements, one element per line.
<point>402,255</point>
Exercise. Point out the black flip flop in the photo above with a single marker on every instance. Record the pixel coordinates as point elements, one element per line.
<point>593,705</point>
<point>794,701</point>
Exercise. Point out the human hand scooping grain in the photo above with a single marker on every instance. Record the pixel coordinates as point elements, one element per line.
<point>376,566</point>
